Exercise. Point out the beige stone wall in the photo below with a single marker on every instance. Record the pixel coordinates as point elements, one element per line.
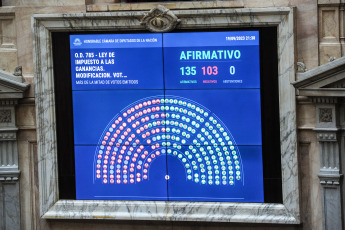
<point>319,37</point>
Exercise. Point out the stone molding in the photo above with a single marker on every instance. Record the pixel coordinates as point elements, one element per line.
<point>53,208</point>
<point>11,90</point>
<point>319,84</point>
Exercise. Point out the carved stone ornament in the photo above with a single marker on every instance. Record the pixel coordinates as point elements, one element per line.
<point>325,115</point>
<point>160,20</point>
<point>18,71</point>
<point>301,68</point>
<point>5,116</point>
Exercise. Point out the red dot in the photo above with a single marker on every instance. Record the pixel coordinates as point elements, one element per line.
<point>145,177</point>
<point>149,102</point>
<point>136,107</point>
<point>153,101</point>
<point>132,181</point>
<point>145,103</point>
<point>145,112</point>
<point>118,181</point>
<point>140,105</point>
<point>138,179</point>
<point>157,109</point>
<point>131,176</point>
<point>149,160</point>
<point>125,181</point>
<point>105,181</point>
<point>98,176</point>
<point>112,181</point>
<point>139,166</point>
<point>145,170</point>
<point>120,118</point>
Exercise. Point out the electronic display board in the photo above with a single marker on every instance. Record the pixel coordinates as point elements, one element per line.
<point>174,117</point>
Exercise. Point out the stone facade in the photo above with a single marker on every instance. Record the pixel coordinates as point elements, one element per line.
<point>312,110</point>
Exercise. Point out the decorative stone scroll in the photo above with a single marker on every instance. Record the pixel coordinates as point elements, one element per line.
<point>160,20</point>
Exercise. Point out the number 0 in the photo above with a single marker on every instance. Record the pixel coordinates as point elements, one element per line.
<point>232,70</point>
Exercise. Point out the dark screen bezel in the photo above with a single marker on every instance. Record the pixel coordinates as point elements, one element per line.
<point>269,107</point>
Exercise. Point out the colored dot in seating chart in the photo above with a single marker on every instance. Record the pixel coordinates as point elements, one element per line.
<point>175,126</point>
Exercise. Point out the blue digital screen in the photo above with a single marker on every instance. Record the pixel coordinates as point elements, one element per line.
<point>173,117</point>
